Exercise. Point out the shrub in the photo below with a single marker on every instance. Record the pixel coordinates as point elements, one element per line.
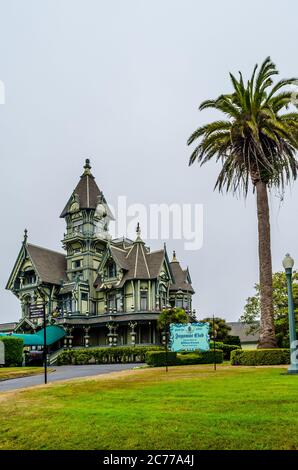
<point>203,357</point>
<point>158,358</point>
<point>226,348</point>
<point>13,350</point>
<point>108,355</point>
<point>260,357</point>
<point>234,340</point>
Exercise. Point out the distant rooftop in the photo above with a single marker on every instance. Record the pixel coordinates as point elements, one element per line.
<point>6,327</point>
<point>241,330</point>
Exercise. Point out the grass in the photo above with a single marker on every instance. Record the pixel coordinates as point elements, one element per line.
<point>7,373</point>
<point>191,407</point>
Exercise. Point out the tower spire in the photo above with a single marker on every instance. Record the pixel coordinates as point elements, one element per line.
<point>174,260</point>
<point>87,167</point>
<point>138,230</point>
<point>25,236</point>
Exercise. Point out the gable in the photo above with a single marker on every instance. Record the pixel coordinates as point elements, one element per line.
<point>49,266</point>
<point>20,262</point>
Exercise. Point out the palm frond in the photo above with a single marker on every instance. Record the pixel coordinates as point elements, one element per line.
<point>256,141</point>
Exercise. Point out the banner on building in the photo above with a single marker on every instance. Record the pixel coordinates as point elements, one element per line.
<point>189,336</point>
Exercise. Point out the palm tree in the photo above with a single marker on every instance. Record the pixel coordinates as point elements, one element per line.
<point>256,143</point>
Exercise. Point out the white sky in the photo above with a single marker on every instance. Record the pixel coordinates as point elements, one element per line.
<point>120,82</point>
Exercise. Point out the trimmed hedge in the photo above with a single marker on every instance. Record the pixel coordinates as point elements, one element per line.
<point>13,350</point>
<point>158,358</point>
<point>226,348</point>
<point>108,355</point>
<point>260,357</point>
<point>203,357</point>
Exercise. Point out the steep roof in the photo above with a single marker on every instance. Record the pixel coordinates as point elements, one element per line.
<point>50,265</point>
<point>87,192</point>
<point>136,261</point>
<point>181,277</point>
<point>140,264</point>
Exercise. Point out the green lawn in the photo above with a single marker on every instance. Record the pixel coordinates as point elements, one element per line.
<point>191,407</point>
<point>15,372</point>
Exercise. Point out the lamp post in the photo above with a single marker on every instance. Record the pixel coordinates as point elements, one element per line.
<point>288,264</point>
<point>214,338</point>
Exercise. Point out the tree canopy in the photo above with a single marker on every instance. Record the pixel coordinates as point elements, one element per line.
<point>221,327</point>
<point>171,315</point>
<point>252,309</point>
<point>257,141</point>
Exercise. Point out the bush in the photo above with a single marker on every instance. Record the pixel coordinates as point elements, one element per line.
<point>260,357</point>
<point>108,355</point>
<point>13,350</point>
<point>226,348</point>
<point>158,358</point>
<point>203,357</point>
<point>234,340</point>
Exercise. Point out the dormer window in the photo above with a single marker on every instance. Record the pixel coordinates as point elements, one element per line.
<point>111,270</point>
<point>29,278</point>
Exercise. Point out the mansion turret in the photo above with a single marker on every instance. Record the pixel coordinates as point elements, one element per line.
<point>102,291</point>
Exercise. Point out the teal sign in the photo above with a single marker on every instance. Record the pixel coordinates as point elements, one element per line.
<point>189,336</point>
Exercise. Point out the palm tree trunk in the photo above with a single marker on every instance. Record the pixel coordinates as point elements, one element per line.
<point>267,330</point>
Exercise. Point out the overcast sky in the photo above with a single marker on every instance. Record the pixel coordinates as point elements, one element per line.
<point>120,82</point>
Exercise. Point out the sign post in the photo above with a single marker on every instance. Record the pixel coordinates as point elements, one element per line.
<point>214,338</point>
<point>38,310</point>
<point>45,348</point>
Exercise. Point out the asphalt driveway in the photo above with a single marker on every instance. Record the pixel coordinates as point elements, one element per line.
<point>64,373</point>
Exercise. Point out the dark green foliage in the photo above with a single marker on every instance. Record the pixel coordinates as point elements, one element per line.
<point>158,358</point>
<point>13,350</point>
<point>122,354</point>
<point>252,309</point>
<point>204,357</point>
<point>171,315</point>
<point>226,348</point>
<point>235,340</point>
<point>260,357</point>
<point>221,327</point>
<point>256,140</point>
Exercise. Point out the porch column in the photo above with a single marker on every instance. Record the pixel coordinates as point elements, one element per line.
<point>115,337</point>
<point>110,334</point>
<point>133,334</point>
<point>69,338</point>
<point>86,337</point>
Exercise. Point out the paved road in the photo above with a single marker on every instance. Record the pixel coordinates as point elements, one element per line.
<point>63,373</point>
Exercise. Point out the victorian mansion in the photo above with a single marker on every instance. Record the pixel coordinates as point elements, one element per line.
<point>101,291</point>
